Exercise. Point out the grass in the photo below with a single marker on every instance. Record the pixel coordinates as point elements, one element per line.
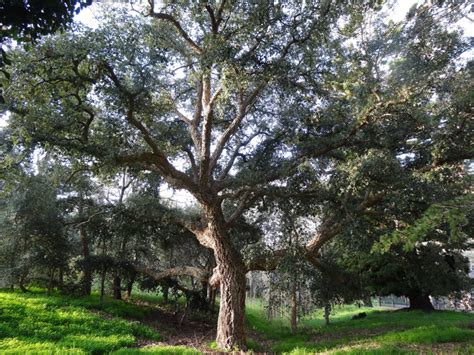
<point>35,323</point>
<point>158,350</point>
<point>381,332</point>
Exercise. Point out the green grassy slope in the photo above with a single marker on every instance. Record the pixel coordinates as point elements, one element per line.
<point>35,323</point>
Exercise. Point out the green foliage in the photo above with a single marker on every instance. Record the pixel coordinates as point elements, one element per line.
<point>446,218</point>
<point>34,244</point>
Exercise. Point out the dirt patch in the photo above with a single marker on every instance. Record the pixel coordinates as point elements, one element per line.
<point>177,328</point>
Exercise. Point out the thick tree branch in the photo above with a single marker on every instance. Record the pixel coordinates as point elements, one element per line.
<point>158,157</point>
<point>243,107</point>
<point>245,202</point>
<point>266,262</point>
<point>201,233</point>
<point>176,24</point>
<point>234,156</point>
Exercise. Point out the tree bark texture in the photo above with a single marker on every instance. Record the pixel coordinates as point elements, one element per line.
<point>231,270</point>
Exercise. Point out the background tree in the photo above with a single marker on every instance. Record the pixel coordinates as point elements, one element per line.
<point>37,237</point>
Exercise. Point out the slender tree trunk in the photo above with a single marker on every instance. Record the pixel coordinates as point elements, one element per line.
<point>61,279</point>
<point>130,286</point>
<point>50,282</point>
<point>420,302</point>
<point>211,298</point>
<point>117,286</point>
<point>102,285</point>
<point>204,289</point>
<point>367,301</point>
<point>327,312</point>
<point>231,320</point>
<point>294,305</point>
<point>87,274</point>
<point>21,282</point>
<point>165,291</point>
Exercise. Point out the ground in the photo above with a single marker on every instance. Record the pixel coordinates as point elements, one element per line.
<point>35,323</point>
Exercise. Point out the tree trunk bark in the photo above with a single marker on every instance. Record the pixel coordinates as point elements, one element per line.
<point>420,302</point>
<point>231,269</point>
<point>117,286</point>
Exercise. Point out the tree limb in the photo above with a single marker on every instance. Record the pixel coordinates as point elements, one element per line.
<point>176,24</point>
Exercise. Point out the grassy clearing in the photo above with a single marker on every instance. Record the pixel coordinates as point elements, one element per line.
<point>381,332</point>
<point>36,323</point>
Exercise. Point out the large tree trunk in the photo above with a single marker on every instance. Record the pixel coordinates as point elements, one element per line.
<point>420,302</point>
<point>231,270</point>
